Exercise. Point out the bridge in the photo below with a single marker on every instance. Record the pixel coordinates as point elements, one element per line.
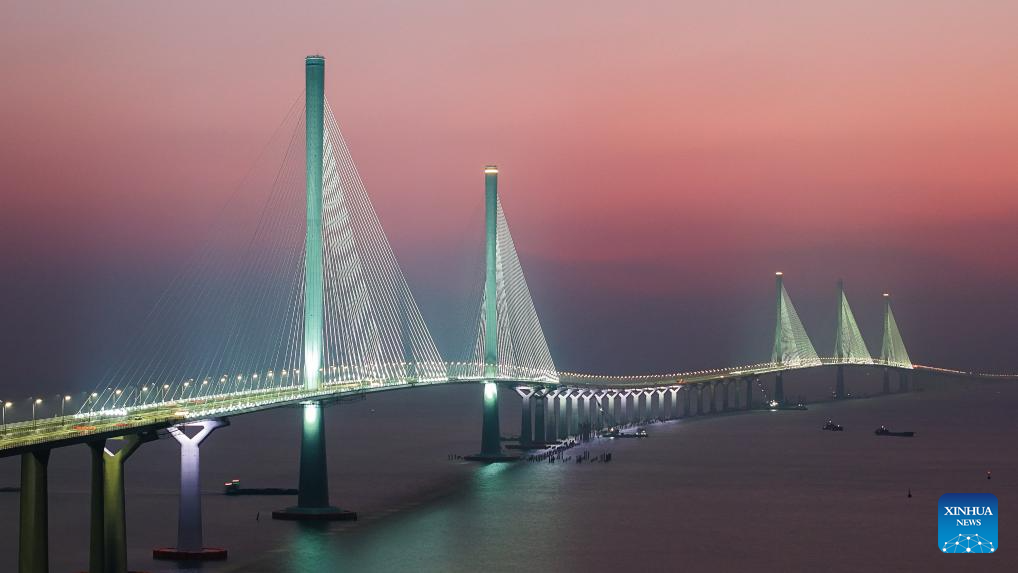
<point>313,320</point>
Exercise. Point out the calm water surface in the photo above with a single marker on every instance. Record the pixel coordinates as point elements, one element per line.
<point>762,491</point>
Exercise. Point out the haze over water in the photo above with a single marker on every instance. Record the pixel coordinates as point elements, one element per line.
<point>764,490</point>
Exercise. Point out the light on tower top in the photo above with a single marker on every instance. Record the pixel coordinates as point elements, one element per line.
<point>778,274</point>
<point>491,169</point>
<point>887,295</point>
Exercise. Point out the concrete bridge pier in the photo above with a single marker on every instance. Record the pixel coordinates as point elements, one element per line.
<point>108,543</point>
<point>902,381</point>
<point>839,388</point>
<point>33,537</point>
<point>685,401</point>
<point>610,407</point>
<point>724,395</point>
<point>573,412</point>
<point>313,482</point>
<point>526,420</point>
<point>565,414</point>
<point>887,380</point>
<point>539,424</point>
<point>779,388</point>
<point>623,416</point>
<point>749,393</point>
<point>551,404</point>
<point>583,411</point>
<point>601,409</point>
<point>699,399</point>
<point>190,537</point>
<point>673,402</point>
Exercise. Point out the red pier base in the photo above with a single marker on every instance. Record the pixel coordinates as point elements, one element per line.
<point>174,554</point>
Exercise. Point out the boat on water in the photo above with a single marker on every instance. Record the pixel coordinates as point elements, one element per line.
<point>612,432</point>
<point>775,405</point>
<point>830,426</point>
<point>232,487</point>
<point>617,433</point>
<point>884,431</point>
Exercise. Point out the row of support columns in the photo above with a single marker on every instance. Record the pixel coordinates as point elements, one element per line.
<point>108,511</point>
<point>554,414</point>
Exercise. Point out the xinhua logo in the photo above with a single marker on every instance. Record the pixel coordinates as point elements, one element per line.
<point>967,523</point>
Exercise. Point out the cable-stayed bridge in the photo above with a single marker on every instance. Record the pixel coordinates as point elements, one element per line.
<point>317,310</point>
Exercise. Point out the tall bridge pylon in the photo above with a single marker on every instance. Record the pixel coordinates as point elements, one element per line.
<point>510,344</point>
<point>849,347</point>
<point>361,322</point>
<point>892,350</point>
<point>792,346</point>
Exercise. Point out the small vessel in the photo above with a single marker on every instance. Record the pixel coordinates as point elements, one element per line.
<point>832,427</point>
<point>884,431</point>
<point>775,405</point>
<point>610,432</point>
<point>232,487</point>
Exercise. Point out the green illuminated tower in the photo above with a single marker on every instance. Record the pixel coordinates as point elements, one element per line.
<point>839,344</point>
<point>313,496</point>
<point>491,444</point>
<point>779,351</point>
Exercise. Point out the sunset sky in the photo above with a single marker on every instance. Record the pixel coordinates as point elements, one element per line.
<point>660,160</point>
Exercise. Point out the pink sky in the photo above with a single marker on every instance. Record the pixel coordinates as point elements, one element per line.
<point>653,153</point>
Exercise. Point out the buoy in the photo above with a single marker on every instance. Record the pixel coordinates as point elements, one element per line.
<point>987,475</point>
<point>910,492</point>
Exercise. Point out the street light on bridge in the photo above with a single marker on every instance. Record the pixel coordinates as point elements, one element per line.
<point>35,403</point>
<point>4,415</point>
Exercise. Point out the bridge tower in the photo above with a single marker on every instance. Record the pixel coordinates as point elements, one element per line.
<point>792,346</point>
<point>779,350</point>
<point>491,438</point>
<point>313,496</point>
<point>491,441</point>
<point>849,346</point>
<point>839,343</point>
<point>892,351</point>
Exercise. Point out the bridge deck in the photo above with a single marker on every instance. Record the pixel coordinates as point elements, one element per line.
<point>83,427</point>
